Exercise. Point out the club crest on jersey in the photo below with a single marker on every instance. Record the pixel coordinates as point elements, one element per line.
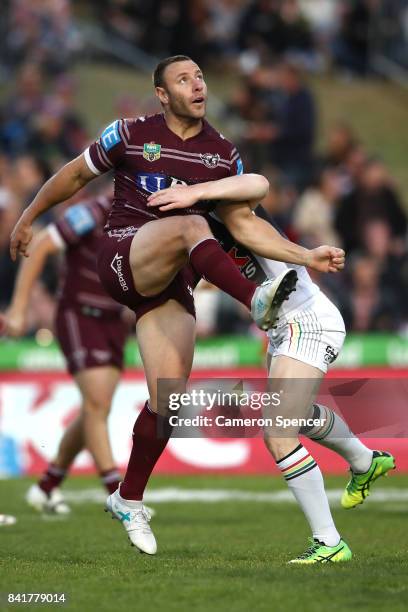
<point>210,160</point>
<point>151,151</point>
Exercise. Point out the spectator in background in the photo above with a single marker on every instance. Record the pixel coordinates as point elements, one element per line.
<point>18,110</point>
<point>296,36</point>
<point>352,46</point>
<point>274,28</point>
<point>10,210</point>
<point>28,174</point>
<point>392,261</point>
<point>341,140</point>
<point>367,307</point>
<point>260,28</point>
<point>220,31</point>
<point>374,197</point>
<point>254,104</point>
<point>315,211</point>
<point>293,142</point>
<point>42,32</point>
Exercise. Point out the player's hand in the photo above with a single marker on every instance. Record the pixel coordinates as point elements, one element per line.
<point>20,238</point>
<point>326,259</point>
<point>12,323</point>
<point>179,196</point>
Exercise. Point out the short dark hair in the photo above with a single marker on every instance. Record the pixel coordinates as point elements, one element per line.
<point>158,80</point>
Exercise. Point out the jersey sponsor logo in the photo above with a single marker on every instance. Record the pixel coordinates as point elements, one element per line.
<point>80,219</point>
<point>243,262</point>
<point>155,181</point>
<point>151,151</point>
<point>330,354</point>
<point>110,137</point>
<point>116,265</point>
<point>210,160</point>
<point>238,261</point>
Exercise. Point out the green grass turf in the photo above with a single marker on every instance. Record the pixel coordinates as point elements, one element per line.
<point>212,556</point>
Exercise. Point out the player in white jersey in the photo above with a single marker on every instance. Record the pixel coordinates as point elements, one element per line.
<point>307,338</point>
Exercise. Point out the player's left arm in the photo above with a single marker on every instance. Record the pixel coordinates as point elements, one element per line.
<point>238,188</point>
<point>264,240</point>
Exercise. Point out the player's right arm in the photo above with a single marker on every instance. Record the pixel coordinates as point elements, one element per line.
<point>264,240</point>
<point>15,317</point>
<point>64,184</point>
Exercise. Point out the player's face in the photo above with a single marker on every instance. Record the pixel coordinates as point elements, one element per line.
<point>185,91</point>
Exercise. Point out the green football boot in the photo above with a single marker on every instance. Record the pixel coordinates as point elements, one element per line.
<point>358,487</point>
<point>320,553</point>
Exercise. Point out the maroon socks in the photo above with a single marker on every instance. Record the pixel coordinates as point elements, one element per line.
<point>51,478</point>
<point>212,263</point>
<point>110,479</point>
<point>148,445</point>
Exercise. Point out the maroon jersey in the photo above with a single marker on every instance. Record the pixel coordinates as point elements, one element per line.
<point>147,156</point>
<point>78,231</point>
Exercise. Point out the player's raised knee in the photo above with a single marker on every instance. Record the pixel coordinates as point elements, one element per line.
<point>194,228</point>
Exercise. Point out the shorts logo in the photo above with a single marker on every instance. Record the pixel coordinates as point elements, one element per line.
<point>189,289</point>
<point>151,151</point>
<point>210,160</point>
<point>330,354</point>
<point>101,355</point>
<point>116,265</point>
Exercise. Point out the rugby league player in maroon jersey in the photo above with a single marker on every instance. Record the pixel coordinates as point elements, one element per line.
<point>144,251</point>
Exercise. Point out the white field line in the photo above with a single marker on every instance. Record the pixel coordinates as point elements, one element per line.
<point>180,495</point>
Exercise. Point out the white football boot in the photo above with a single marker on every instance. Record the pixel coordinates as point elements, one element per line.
<point>40,501</point>
<point>269,297</point>
<point>135,518</point>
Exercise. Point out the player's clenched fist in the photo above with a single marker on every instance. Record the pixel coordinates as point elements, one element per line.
<point>20,238</point>
<point>326,259</point>
<point>12,323</point>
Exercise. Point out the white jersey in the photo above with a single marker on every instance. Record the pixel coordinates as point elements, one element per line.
<point>258,268</point>
<point>310,328</point>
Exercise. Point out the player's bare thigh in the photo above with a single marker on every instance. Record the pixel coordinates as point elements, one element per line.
<point>160,249</point>
<point>297,384</point>
<point>166,337</point>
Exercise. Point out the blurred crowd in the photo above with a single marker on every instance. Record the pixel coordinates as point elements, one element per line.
<point>223,32</point>
<point>345,196</point>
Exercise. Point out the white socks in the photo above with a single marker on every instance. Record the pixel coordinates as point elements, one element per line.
<point>305,480</point>
<point>336,435</point>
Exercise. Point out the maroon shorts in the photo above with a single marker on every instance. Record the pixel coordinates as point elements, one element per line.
<point>116,277</point>
<point>90,341</point>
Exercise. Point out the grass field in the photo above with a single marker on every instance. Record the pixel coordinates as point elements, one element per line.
<point>223,555</point>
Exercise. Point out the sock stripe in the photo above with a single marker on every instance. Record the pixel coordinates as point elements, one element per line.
<point>322,433</point>
<point>295,450</point>
<point>310,466</point>
<point>297,463</point>
<point>112,476</point>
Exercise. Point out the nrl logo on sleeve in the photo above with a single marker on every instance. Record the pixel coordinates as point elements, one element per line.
<point>210,159</point>
<point>151,151</point>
